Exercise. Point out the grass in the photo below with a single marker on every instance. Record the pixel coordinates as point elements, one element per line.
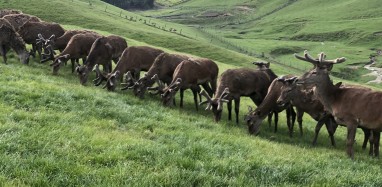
<point>55,132</point>
<point>341,28</point>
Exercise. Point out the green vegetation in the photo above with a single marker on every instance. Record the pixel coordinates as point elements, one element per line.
<point>343,28</point>
<point>55,132</point>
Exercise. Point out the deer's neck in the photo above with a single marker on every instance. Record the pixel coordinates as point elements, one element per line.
<point>18,44</point>
<point>325,91</point>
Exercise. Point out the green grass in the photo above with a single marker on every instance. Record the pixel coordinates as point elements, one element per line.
<point>339,28</point>
<point>55,132</point>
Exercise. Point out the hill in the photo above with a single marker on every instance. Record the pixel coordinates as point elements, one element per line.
<point>281,28</point>
<point>55,132</point>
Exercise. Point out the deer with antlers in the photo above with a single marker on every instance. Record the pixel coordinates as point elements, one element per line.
<point>30,30</point>
<point>190,74</point>
<point>58,43</point>
<point>352,106</point>
<point>163,68</point>
<point>305,102</point>
<point>235,83</point>
<point>103,51</point>
<point>78,47</point>
<point>134,59</point>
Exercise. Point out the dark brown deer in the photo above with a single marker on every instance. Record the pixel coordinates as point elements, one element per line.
<point>59,43</point>
<point>133,59</point>
<point>102,52</point>
<point>268,105</point>
<point>6,23</point>
<point>190,74</point>
<point>235,83</point>
<point>4,12</point>
<point>164,67</point>
<point>30,30</point>
<point>304,101</point>
<point>18,20</point>
<point>78,47</point>
<point>9,39</point>
<point>351,106</point>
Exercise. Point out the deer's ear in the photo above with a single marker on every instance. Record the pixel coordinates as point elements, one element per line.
<point>338,84</point>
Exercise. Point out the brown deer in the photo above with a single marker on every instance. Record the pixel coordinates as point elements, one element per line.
<point>59,43</point>
<point>103,51</point>
<point>30,30</point>
<point>4,12</point>
<point>11,39</point>
<point>164,67</point>
<point>6,23</point>
<point>351,106</point>
<point>78,47</point>
<point>304,101</point>
<point>268,105</point>
<point>133,59</point>
<point>235,83</point>
<point>18,20</point>
<point>190,74</point>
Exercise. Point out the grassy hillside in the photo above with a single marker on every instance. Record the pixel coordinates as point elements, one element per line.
<point>281,28</point>
<point>55,132</point>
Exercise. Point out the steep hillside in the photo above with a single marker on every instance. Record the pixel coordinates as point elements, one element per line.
<point>55,132</point>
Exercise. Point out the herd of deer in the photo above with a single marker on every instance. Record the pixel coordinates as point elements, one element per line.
<point>312,93</point>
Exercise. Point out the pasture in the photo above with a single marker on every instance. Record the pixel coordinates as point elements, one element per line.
<point>56,132</point>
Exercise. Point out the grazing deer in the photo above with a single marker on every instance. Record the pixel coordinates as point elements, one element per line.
<point>351,106</point>
<point>103,51</point>
<point>134,59</point>
<point>18,20</point>
<point>268,105</point>
<point>9,39</point>
<point>163,67</point>
<point>78,47</point>
<point>190,74</point>
<point>304,101</point>
<point>59,43</point>
<point>30,30</point>
<point>235,83</point>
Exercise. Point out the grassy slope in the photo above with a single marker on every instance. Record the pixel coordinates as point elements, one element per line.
<point>56,132</point>
<point>340,28</point>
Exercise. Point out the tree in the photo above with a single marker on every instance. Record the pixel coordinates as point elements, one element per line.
<point>132,4</point>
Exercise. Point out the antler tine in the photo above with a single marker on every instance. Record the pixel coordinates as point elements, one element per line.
<point>321,57</point>
<point>178,81</point>
<point>153,88</point>
<point>224,94</point>
<point>291,79</point>
<point>205,94</point>
<point>128,76</point>
<point>156,79</point>
<point>281,79</point>
<point>40,37</point>
<point>51,37</point>
<point>322,61</point>
<point>208,101</point>
<point>307,58</point>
